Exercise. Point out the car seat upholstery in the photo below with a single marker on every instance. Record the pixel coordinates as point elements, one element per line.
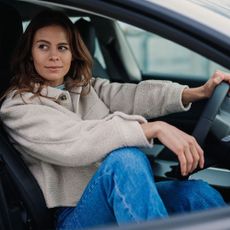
<point>88,35</point>
<point>11,29</point>
<point>21,200</point>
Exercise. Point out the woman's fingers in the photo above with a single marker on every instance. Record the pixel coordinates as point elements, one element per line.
<point>196,157</point>
<point>192,151</point>
<point>183,163</point>
<point>220,76</point>
<point>188,151</point>
<point>188,158</point>
<point>215,80</point>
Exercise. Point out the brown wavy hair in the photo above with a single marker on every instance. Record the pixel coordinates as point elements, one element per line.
<point>25,76</point>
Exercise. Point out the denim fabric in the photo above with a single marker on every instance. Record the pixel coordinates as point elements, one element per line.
<point>123,190</point>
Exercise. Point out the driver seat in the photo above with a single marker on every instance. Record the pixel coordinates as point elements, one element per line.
<point>88,35</point>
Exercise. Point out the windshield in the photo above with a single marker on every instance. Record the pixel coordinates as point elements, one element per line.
<point>214,14</point>
<point>221,6</point>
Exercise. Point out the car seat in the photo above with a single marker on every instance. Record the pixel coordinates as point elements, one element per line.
<point>11,28</point>
<point>88,35</point>
<point>21,200</point>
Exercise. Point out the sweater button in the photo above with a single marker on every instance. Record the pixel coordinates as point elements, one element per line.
<point>63,97</point>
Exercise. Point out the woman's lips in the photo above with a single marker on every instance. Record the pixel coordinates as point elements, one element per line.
<point>53,68</point>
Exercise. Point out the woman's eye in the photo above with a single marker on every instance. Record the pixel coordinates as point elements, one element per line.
<point>43,47</point>
<point>63,48</point>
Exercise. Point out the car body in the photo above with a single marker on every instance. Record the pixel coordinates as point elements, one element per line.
<point>182,41</point>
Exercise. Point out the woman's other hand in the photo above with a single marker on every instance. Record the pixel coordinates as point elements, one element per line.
<point>186,148</point>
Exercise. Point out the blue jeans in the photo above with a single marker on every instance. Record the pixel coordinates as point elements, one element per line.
<point>123,190</point>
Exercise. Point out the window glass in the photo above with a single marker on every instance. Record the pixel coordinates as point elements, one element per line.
<point>24,25</point>
<point>98,54</point>
<point>157,55</point>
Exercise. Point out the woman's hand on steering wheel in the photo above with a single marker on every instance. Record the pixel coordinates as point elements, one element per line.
<point>205,91</point>
<point>215,80</point>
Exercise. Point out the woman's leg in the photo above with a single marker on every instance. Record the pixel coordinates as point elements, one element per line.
<point>188,195</point>
<point>122,190</point>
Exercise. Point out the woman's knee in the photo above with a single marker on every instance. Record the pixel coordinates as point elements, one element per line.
<point>128,157</point>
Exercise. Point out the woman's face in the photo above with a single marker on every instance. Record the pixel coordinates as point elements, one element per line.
<point>51,54</point>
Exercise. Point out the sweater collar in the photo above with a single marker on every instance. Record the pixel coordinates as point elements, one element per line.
<point>52,92</point>
<point>55,92</point>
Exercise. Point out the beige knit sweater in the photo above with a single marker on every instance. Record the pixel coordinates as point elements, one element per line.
<point>62,142</point>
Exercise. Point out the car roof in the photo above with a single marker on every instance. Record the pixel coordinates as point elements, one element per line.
<point>211,13</point>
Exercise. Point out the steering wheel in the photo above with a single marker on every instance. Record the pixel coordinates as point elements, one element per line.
<point>209,113</point>
<point>205,121</point>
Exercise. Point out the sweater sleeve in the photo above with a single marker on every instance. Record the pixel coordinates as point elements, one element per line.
<point>151,98</point>
<point>54,137</point>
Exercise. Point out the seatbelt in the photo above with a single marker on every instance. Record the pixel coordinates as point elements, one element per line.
<point>4,212</point>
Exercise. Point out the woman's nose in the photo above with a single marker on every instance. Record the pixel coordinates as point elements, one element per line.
<point>53,55</point>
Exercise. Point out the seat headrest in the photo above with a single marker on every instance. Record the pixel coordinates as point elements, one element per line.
<point>11,30</point>
<point>88,34</point>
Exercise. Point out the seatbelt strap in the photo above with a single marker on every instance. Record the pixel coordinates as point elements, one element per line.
<point>4,212</point>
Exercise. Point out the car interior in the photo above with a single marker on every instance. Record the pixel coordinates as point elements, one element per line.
<point>21,200</point>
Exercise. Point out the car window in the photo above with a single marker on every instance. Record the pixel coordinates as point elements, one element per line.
<point>25,24</point>
<point>157,55</point>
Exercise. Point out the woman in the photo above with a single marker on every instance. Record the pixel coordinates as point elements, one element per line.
<point>79,135</point>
